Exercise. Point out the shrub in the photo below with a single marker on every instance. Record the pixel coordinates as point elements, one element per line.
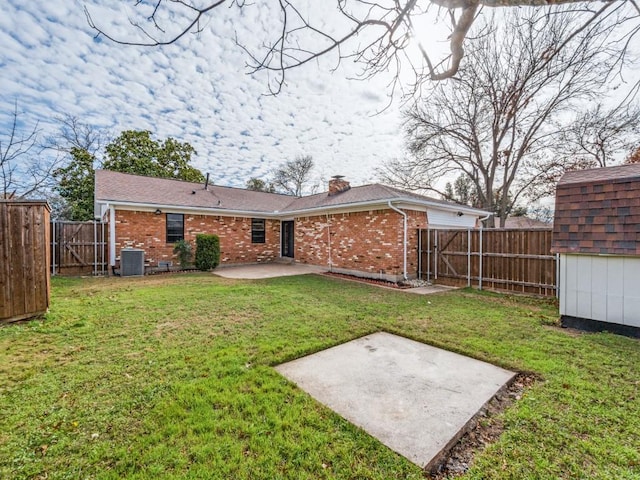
<point>184,251</point>
<point>207,251</point>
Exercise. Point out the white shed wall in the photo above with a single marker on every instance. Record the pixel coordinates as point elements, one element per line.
<point>603,288</point>
<point>448,219</point>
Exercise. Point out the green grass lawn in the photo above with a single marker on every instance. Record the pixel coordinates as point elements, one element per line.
<point>171,377</point>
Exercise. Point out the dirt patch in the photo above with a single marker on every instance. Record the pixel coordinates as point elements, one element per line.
<point>485,429</point>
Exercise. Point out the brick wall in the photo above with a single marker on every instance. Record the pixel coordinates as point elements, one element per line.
<point>415,220</point>
<point>369,242</point>
<point>147,231</point>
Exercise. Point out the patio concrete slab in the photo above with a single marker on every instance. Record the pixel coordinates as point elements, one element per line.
<point>414,398</point>
<point>266,270</point>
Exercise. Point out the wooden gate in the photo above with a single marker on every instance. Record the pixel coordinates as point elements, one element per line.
<point>503,259</point>
<point>78,248</point>
<point>24,259</point>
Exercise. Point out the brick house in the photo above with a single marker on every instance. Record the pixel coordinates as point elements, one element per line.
<point>596,231</point>
<point>369,230</point>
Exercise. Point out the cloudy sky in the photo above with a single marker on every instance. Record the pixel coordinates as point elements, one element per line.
<point>197,90</point>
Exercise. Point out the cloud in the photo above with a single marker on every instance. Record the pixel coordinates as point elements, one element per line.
<point>196,90</point>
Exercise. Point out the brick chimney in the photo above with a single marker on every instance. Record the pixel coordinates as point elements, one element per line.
<point>338,185</point>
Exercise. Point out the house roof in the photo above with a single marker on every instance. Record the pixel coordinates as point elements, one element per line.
<point>369,194</point>
<point>598,211</point>
<point>124,188</point>
<point>135,189</point>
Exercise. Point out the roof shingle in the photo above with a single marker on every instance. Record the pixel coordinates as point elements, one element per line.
<point>602,175</point>
<point>598,211</point>
<point>122,187</point>
<point>126,188</point>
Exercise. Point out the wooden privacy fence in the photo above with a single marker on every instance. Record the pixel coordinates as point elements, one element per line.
<point>78,248</point>
<point>503,259</point>
<point>24,259</point>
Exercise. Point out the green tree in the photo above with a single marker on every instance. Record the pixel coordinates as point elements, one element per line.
<point>76,184</point>
<point>462,191</point>
<point>131,152</point>
<point>134,151</point>
<point>258,185</point>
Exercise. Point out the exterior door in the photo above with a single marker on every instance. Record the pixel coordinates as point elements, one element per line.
<point>287,238</point>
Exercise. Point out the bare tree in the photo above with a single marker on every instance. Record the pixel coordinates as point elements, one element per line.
<point>496,122</point>
<point>543,213</point>
<point>24,170</point>
<point>634,157</point>
<point>381,36</point>
<point>76,134</point>
<point>293,176</point>
<point>601,136</point>
<point>596,137</point>
<point>258,185</point>
<point>80,147</point>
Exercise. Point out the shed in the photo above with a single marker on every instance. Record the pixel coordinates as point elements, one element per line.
<point>596,231</point>
<point>24,259</point>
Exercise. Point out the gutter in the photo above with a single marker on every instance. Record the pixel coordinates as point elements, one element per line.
<point>195,210</point>
<point>404,240</point>
<point>411,201</point>
<point>279,214</point>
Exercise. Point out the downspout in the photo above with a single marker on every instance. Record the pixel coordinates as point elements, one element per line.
<point>419,254</point>
<point>428,254</point>
<point>404,242</point>
<point>480,259</point>
<point>329,243</point>
<point>112,236</point>
<point>53,253</point>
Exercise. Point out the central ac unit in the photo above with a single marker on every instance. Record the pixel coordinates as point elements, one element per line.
<point>131,262</point>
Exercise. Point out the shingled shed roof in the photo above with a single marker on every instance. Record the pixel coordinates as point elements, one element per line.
<point>598,211</point>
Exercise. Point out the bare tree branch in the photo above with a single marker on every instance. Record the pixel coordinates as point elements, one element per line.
<point>74,133</point>
<point>293,176</point>
<point>380,36</point>
<point>23,168</point>
<point>154,42</point>
<point>498,121</point>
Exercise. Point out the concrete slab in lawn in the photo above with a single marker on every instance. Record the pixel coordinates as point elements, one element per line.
<point>414,398</point>
<point>266,270</point>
